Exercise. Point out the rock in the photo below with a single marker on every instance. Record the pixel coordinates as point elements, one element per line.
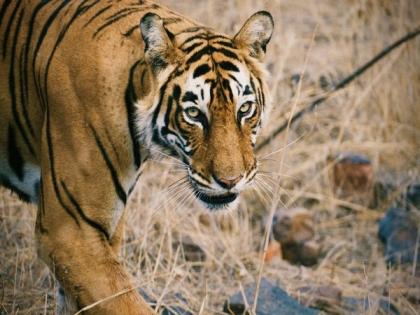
<point>412,195</point>
<point>294,230</point>
<point>393,218</point>
<point>320,297</point>
<point>401,245</point>
<point>398,230</point>
<point>294,225</point>
<point>271,300</point>
<point>361,306</point>
<point>305,253</point>
<point>173,309</point>
<point>352,177</point>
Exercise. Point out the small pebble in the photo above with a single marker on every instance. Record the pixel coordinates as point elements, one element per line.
<point>294,230</point>
<point>272,300</point>
<point>398,230</point>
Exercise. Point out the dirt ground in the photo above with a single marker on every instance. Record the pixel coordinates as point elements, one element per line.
<point>377,116</point>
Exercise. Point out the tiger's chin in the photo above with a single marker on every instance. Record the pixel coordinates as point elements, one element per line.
<point>222,202</point>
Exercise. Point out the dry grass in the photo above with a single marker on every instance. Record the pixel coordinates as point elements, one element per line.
<point>378,116</point>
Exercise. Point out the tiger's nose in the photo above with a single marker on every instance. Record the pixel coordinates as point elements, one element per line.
<point>227,182</point>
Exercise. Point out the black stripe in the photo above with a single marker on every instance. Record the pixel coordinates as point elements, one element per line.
<point>52,170</point>
<point>190,97</point>
<point>224,43</point>
<point>79,11</point>
<point>176,92</point>
<point>247,91</point>
<point>22,78</point>
<point>201,36</point>
<point>114,175</point>
<point>168,110</point>
<point>201,70</point>
<point>40,223</point>
<point>26,56</point>
<point>227,53</point>
<point>12,87</point>
<point>207,50</point>
<point>189,49</point>
<point>97,14</point>
<point>8,27</point>
<point>41,38</point>
<point>228,66</point>
<point>130,98</point>
<point>3,10</point>
<point>254,89</point>
<point>131,30</point>
<point>15,158</point>
<point>214,36</point>
<point>172,20</point>
<point>199,54</point>
<point>262,94</point>
<point>114,20</point>
<point>82,214</point>
<point>120,13</point>
<point>158,107</point>
<point>175,73</point>
<point>46,27</point>
<point>226,86</point>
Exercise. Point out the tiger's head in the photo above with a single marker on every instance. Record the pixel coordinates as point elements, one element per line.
<point>202,97</point>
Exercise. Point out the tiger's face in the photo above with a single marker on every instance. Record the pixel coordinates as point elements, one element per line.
<point>210,102</point>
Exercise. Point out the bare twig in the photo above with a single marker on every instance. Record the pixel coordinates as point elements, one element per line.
<point>340,85</point>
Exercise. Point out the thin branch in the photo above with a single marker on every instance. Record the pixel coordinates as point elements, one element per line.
<point>340,85</point>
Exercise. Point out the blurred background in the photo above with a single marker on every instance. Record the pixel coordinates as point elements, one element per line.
<point>325,229</point>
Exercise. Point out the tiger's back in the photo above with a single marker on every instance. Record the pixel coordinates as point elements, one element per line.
<point>53,52</point>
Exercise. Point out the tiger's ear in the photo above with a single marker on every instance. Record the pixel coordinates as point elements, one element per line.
<point>255,34</point>
<point>159,51</point>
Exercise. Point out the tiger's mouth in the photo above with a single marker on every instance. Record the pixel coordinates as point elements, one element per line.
<point>215,202</point>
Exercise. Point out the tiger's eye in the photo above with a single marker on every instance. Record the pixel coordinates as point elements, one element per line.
<point>192,112</point>
<point>245,108</point>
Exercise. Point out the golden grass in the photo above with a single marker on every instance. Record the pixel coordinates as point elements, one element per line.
<point>378,115</point>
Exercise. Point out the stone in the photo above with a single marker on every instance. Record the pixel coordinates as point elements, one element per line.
<point>173,309</point>
<point>320,297</point>
<point>271,300</point>
<point>352,177</point>
<point>294,230</point>
<point>398,230</point>
<point>293,225</point>
<point>401,245</point>
<point>360,306</point>
<point>394,218</point>
<point>412,195</point>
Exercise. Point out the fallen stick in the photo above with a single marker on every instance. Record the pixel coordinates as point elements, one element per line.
<point>340,85</point>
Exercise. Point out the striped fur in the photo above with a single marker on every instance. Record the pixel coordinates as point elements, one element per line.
<point>93,87</point>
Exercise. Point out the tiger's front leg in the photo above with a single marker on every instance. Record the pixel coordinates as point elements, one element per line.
<point>65,304</point>
<point>79,222</point>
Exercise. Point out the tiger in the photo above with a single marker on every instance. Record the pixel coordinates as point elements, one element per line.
<point>89,90</point>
